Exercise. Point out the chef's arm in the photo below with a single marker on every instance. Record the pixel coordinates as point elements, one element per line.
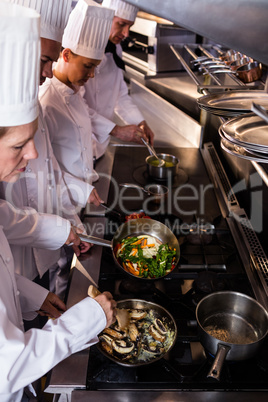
<point>25,357</point>
<point>26,227</point>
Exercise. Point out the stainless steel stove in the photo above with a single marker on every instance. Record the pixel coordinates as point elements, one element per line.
<point>211,260</point>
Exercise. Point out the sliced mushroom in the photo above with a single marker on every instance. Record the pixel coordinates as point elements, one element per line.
<point>137,314</point>
<point>122,347</point>
<point>133,331</point>
<point>155,334</point>
<point>106,347</point>
<point>160,326</point>
<point>106,338</point>
<point>112,332</point>
<point>152,348</point>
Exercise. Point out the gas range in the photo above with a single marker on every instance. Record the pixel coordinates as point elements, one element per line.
<point>208,263</point>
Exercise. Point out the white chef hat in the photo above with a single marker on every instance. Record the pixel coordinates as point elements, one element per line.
<point>20,64</point>
<point>54,16</point>
<point>122,9</point>
<point>88,28</point>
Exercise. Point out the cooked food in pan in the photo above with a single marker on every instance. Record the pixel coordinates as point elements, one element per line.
<point>145,256</point>
<point>146,338</point>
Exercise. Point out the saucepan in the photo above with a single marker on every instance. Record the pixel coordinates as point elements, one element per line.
<point>170,168</point>
<point>249,72</point>
<point>157,192</point>
<point>232,326</point>
<point>151,334</point>
<point>137,227</point>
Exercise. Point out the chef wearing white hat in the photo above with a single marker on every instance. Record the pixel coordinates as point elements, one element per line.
<point>42,186</point>
<point>24,357</point>
<point>107,92</point>
<point>65,110</point>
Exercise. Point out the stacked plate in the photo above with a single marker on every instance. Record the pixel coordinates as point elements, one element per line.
<point>246,137</point>
<point>232,104</point>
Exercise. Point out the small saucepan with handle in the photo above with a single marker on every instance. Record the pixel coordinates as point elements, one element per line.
<point>232,326</point>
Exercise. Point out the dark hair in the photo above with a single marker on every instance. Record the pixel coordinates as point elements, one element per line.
<point>3,131</point>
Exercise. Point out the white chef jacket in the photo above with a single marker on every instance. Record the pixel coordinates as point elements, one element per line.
<point>107,93</point>
<point>69,124</point>
<point>43,188</point>
<point>25,357</point>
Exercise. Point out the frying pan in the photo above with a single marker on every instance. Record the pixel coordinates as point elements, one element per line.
<point>158,312</point>
<point>136,227</point>
<point>232,326</point>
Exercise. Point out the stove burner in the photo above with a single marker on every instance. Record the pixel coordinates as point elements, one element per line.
<point>197,238</point>
<point>208,282</point>
<point>135,287</point>
<point>141,176</point>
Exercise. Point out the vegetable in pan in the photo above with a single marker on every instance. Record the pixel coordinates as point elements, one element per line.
<point>145,256</point>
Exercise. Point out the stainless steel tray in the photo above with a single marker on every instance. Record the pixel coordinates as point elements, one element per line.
<point>233,147</point>
<point>232,102</point>
<point>248,131</point>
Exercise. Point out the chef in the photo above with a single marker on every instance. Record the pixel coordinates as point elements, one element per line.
<point>65,111</point>
<point>107,92</point>
<point>24,357</point>
<point>41,185</point>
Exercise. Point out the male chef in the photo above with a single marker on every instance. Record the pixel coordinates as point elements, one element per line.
<point>107,92</point>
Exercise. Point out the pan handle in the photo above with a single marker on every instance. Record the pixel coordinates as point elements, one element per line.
<point>95,240</point>
<point>215,370</point>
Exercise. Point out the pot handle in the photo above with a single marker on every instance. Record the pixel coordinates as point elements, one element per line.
<point>95,240</point>
<point>215,370</point>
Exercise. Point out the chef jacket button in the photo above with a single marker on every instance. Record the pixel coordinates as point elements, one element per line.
<point>86,169</point>
<point>18,292</point>
<point>67,103</point>
<point>85,148</point>
<point>47,159</point>
<point>43,130</point>
<point>79,126</point>
<point>32,200</point>
<point>29,170</point>
<point>8,259</point>
<point>50,187</point>
<point>22,324</point>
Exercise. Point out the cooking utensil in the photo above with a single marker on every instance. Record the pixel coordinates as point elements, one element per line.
<point>240,62</point>
<point>170,168</point>
<point>159,312</point>
<point>232,103</point>
<point>260,111</point>
<point>232,326</point>
<point>249,72</point>
<point>136,227</point>
<point>151,149</point>
<point>248,131</point>
<point>122,315</point>
<point>157,191</point>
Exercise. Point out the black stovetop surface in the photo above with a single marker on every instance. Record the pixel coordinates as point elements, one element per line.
<point>208,263</point>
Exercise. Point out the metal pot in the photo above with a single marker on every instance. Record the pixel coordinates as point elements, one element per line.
<point>136,227</point>
<point>249,72</point>
<point>232,326</point>
<point>162,172</point>
<point>159,312</point>
<point>240,62</point>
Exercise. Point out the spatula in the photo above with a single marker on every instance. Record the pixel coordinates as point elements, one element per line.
<point>122,315</point>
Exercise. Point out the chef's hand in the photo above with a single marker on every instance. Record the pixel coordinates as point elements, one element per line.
<point>108,305</point>
<point>94,198</point>
<point>147,132</point>
<point>131,133</point>
<point>78,245</point>
<point>52,307</point>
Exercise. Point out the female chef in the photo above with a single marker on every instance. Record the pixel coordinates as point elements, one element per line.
<point>65,111</point>
<point>42,186</point>
<point>25,357</point>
